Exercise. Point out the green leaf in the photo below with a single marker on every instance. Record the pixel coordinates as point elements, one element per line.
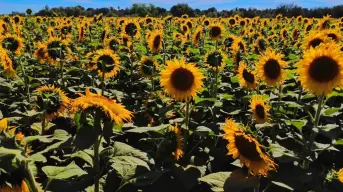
<point>83,155</point>
<point>122,149</point>
<point>72,170</point>
<point>147,129</point>
<point>283,185</point>
<point>299,124</point>
<point>128,166</point>
<point>331,112</point>
<point>148,178</point>
<point>339,142</point>
<point>216,180</point>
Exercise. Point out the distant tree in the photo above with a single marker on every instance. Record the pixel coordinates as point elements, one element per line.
<point>180,9</point>
<point>28,11</point>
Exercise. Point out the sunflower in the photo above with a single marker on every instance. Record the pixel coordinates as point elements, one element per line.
<point>111,109</point>
<point>340,175</point>
<point>12,43</point>
<point>232,21</point>
<point>259,109</point>
<point>148,66</point>
<point>81,32</point>
<point>104,33</point>
<point>246,147</point>
<point>110,61</point>
<point>261,44</point>
<point>270,68</point>
<point>131,28</point>
<point>124,39</point>
<point>206,22</point>
<point>184,16</point>
<point>179,141</point>
<point>214,59</point>
<point>196,37</point>
<point>155,41</point>
<point>228,41</point>
<point>216,31</point>
<point>284,33</point>
<point>7,64</point>
<point>184,28</point>
<point>16,188</point>
<point>321,69</point>
<point>237,57</point>
<point>56,50</point>
<point>53,100</point>
<point>238,43</point>
<point>40,52</point>
<point>324,23</point>
<point>180,80</point>
<point>313,39</point>
<point>295,34</point>
<point>334,34</point>
<point>112,43</point>
<point>178,39</point>
<point>246,77</point>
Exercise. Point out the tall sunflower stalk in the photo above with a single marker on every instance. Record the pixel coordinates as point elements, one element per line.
<point>107,112</point>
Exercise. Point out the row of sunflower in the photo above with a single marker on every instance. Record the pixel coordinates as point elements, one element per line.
<point>243,99</point>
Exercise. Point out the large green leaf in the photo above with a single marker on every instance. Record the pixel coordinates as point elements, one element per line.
<point>129,167</point>
<point>216,180</point>
<point>122,149</point>
<point>72,170</point>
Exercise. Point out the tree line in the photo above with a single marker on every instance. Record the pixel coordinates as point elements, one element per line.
<point>142,10</point>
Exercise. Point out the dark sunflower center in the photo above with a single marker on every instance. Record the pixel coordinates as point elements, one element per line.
<point>295,34</point>
<point>147,67</point>
<point>215,59</point>
<point>131,29</point>
<point>315,42</point>
<point>182,79</point>
<point>50,100</point>
<point>323,69</point>
<point>16,20</point>
<point>215,31</point>
<point>197,37</point>
<point>103,35</point>
<point>107,61</point>
<point>40,53</point>
<point>55,50</point>
<point>10,44</point>
<point>284,34</point>
<point>189,24</point>
<point>247,148</point>
<point>333,36</point>
<point>184,28</point>
<point>232,21</point>
<point>262,44</point>
<point>249,77</point>
<point>242,23</point>
<point>228,42</point>
<point>114,44</point>
<point>260,111</point>
<point>157,41</point>
<point>148,20</point>
<point>125,40</point>
<point>206,23</point>
<point>272,69</point>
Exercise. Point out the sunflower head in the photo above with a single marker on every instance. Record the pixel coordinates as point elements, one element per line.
<point>131,28</point>
<point>155,41</point>
<point>270,68</point>
<point>7,64</point>
<point>216,31</point>
<point>112,43</point>
<point>246,77</point>
<point>334,34</point>
<point>178,152</point>
<point>215,59</point>
<point>12,43</point>
<point>148,66</point>
<point>111,109</point>
<point>340,175</point>
<point>247,148</point>
<point>232,21</point>
<point>51,100</point>
<point>107,63</point>
<point>261,43</point>
<point>321,69</point>
<point>197,36</point>
<point>57,49</point>
<point>314,39</point>
<point>259,109</point>
<point>180,80</point>
<point>178,39</point>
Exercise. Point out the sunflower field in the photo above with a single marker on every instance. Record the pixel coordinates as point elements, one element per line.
<point>182,104</point>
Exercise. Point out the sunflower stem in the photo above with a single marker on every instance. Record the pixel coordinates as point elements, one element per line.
<point>48,184</point>
<point>164,53</point>
<point>314,133</point>
<point>30,177</point>
<point>187,115</point>
<point>43,122</point>
<point>152,79</point>
<point>96,164</point>
<point>62,78</point>
<point>103,78</point>
<point>26,81</point>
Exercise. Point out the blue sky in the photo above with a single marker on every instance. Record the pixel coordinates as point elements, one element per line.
<point>7,6</point>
